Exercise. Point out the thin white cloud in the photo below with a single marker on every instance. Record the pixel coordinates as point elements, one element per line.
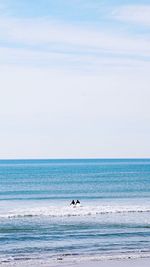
<point>57,113</point>
<point>55,60</point>
<point>39,32</point>
<point>139,14</point>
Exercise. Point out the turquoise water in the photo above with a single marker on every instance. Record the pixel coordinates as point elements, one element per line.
<point>36,220</point>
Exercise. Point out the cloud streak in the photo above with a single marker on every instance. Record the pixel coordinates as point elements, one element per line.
<point>45,41</point>
<point>71,86</point>
<point>138,14</point>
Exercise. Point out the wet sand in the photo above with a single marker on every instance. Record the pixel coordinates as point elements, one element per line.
<point>140,262</point>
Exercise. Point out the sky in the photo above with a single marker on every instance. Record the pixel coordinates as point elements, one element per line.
<point>74,79</point>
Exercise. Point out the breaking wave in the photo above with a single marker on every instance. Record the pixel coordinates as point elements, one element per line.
<point>69,211</point>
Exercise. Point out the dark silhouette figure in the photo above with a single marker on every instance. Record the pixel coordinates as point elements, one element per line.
<point>72,202</point>
<point>77,202</point>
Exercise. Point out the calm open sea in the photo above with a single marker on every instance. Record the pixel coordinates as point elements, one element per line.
<point>38,223</point>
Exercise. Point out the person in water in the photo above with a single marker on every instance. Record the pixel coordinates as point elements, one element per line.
<point>72,202</point>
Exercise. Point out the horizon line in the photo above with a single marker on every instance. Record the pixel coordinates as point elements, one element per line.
<point>83,158</point>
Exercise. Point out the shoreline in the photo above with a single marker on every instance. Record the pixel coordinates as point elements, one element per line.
<point>116,261</point>
<point>126,262</point>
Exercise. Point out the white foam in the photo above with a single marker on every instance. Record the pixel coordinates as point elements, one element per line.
<point>67,211</point>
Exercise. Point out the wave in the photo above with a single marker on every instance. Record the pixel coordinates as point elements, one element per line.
<point>70,211</point>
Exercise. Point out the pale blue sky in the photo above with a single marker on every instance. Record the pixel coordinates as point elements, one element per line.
<point>74,78</point>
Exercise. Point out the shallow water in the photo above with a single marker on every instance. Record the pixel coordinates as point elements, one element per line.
<point>37,222</point>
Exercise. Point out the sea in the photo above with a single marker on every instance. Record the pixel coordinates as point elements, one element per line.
<point>38,224</point>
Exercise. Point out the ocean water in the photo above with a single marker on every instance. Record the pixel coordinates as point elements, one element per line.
<point>37,222</point>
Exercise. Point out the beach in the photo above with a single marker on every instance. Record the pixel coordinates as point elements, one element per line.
<point>116,263</point>
<point>138,262</point>
<point>74,133</point>
<point>39,227</point>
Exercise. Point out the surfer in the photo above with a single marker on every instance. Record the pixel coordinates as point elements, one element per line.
<point>72,202</point>
<point>75,204</point>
